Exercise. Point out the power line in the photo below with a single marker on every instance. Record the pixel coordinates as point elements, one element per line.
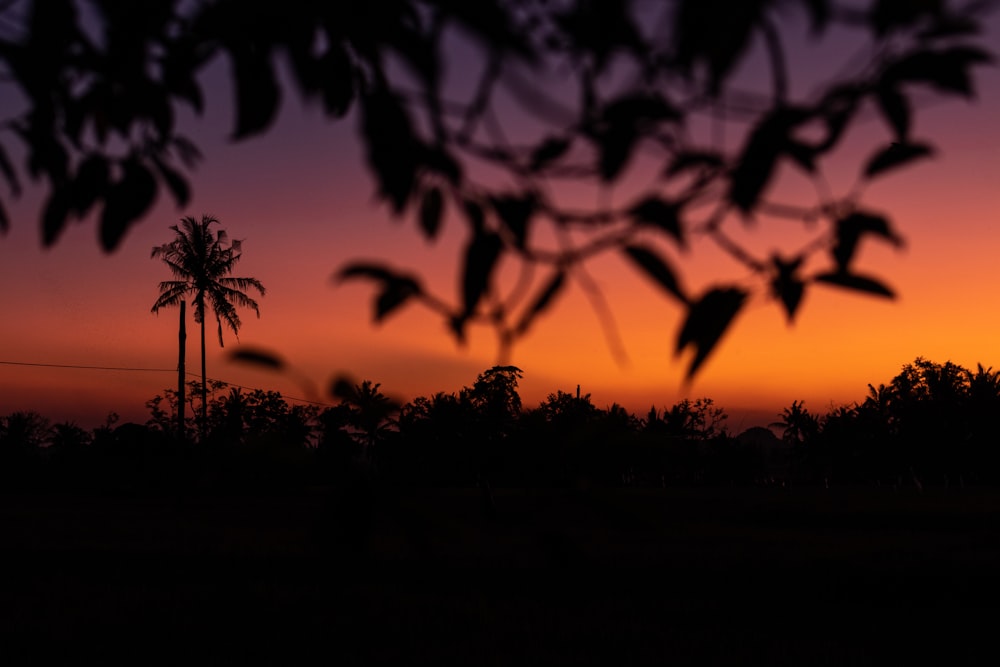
<point>93,368</point>
<point>153,370</point>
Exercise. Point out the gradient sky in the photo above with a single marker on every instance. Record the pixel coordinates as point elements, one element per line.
<point>303,202</point>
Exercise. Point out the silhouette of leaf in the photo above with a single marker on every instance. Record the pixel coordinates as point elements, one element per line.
<point>392,148</point>
<point>819,14</point>
<point>394,294</point>
<point>187,151</point>
<point>259,358</point>
<point>515,212</point>
<point>258,95</point>
<point>396,288</point>
<point>889,15</point>
<point>175,182</point>
<point>949,25</point>
<point>656,268</point>
<point>759,157</point>
<point>481,257</point>
<point>707,321</point>
<point>548,151</point>
<point>659,213</point>
<point>714,33</point>
<point>598,29</point>
<point>126,201</point>
<point>7,169</point>
<point>896,155</point>
<point>856,282</point>
<point>337,73</point>
<point>946,69</point>
<point>440,161</point>
<point>474,214</point>
<point>622,123</point>
<point>802,155</point>
<point>431,209</point>
<point>849,231</point>
<point>55,216</point>
<point>90,183</point>
<point>4,218</point>
<point>157,107</point>
<point>787,286</point>
<point>896,109</point>
<point>542,302</point>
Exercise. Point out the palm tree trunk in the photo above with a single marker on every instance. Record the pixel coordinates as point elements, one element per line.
<point>181,374</point>
<point>204,385</point>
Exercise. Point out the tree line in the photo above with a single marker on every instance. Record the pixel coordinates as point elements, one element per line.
<point>931,424</point>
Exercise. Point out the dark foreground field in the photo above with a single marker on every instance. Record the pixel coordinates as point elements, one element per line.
<point>702,576</point>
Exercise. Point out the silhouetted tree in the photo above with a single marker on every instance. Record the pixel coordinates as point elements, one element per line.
<point>202,263</point>
<point>371,414</point>
<point>100,85</point>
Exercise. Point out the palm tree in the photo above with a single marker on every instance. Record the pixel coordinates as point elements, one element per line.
<point>201,262</point>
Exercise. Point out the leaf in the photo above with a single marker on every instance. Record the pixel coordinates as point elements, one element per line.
<point>4,219</point>
<point>438,160</point>
<point>787,286</point>
<point>55,215</point>
<point>474,214</point>
<point>188,152</point>
<point>174,181</point>
<point>659,213</point>
<point>622,123</point>
<point>614,150</point>
<point>9,174</point>
<point>896,155</point>
<point>396,288</point>
<point>654,267</point>
<point>126,201</point>
<point>887,15</point>
<point>259,358</point>
<point>542,302</point>
<point>515,212</point>
<point>896,108</point>
<point>548,151</point>
<point>856,282</point>
<point>481,257</point>
<point>850,230</point>
<point>393,150</point>
<point>258,95</point>
<point>759,157</point>
<point>707,321</point>
<point>819,14</point>
<point>431,209</point>
<point>945,69</point>
<point>338,87</point>
<point>714,34</point>
<point>90,184</point>
<point>394,294</point>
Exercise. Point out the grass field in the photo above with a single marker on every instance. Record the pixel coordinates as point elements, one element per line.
<point>406,576</point>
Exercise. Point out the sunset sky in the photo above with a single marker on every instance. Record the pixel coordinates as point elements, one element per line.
<point>302,200</point>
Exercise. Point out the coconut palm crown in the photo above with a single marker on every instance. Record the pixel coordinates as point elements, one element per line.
<point>201,263</point>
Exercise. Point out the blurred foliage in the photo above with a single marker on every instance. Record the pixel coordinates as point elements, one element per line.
<point>102,83</point>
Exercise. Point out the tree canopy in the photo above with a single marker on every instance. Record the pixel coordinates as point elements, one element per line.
<point>545,97</point>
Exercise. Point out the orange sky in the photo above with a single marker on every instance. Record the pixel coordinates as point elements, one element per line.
<point>303,203</point>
